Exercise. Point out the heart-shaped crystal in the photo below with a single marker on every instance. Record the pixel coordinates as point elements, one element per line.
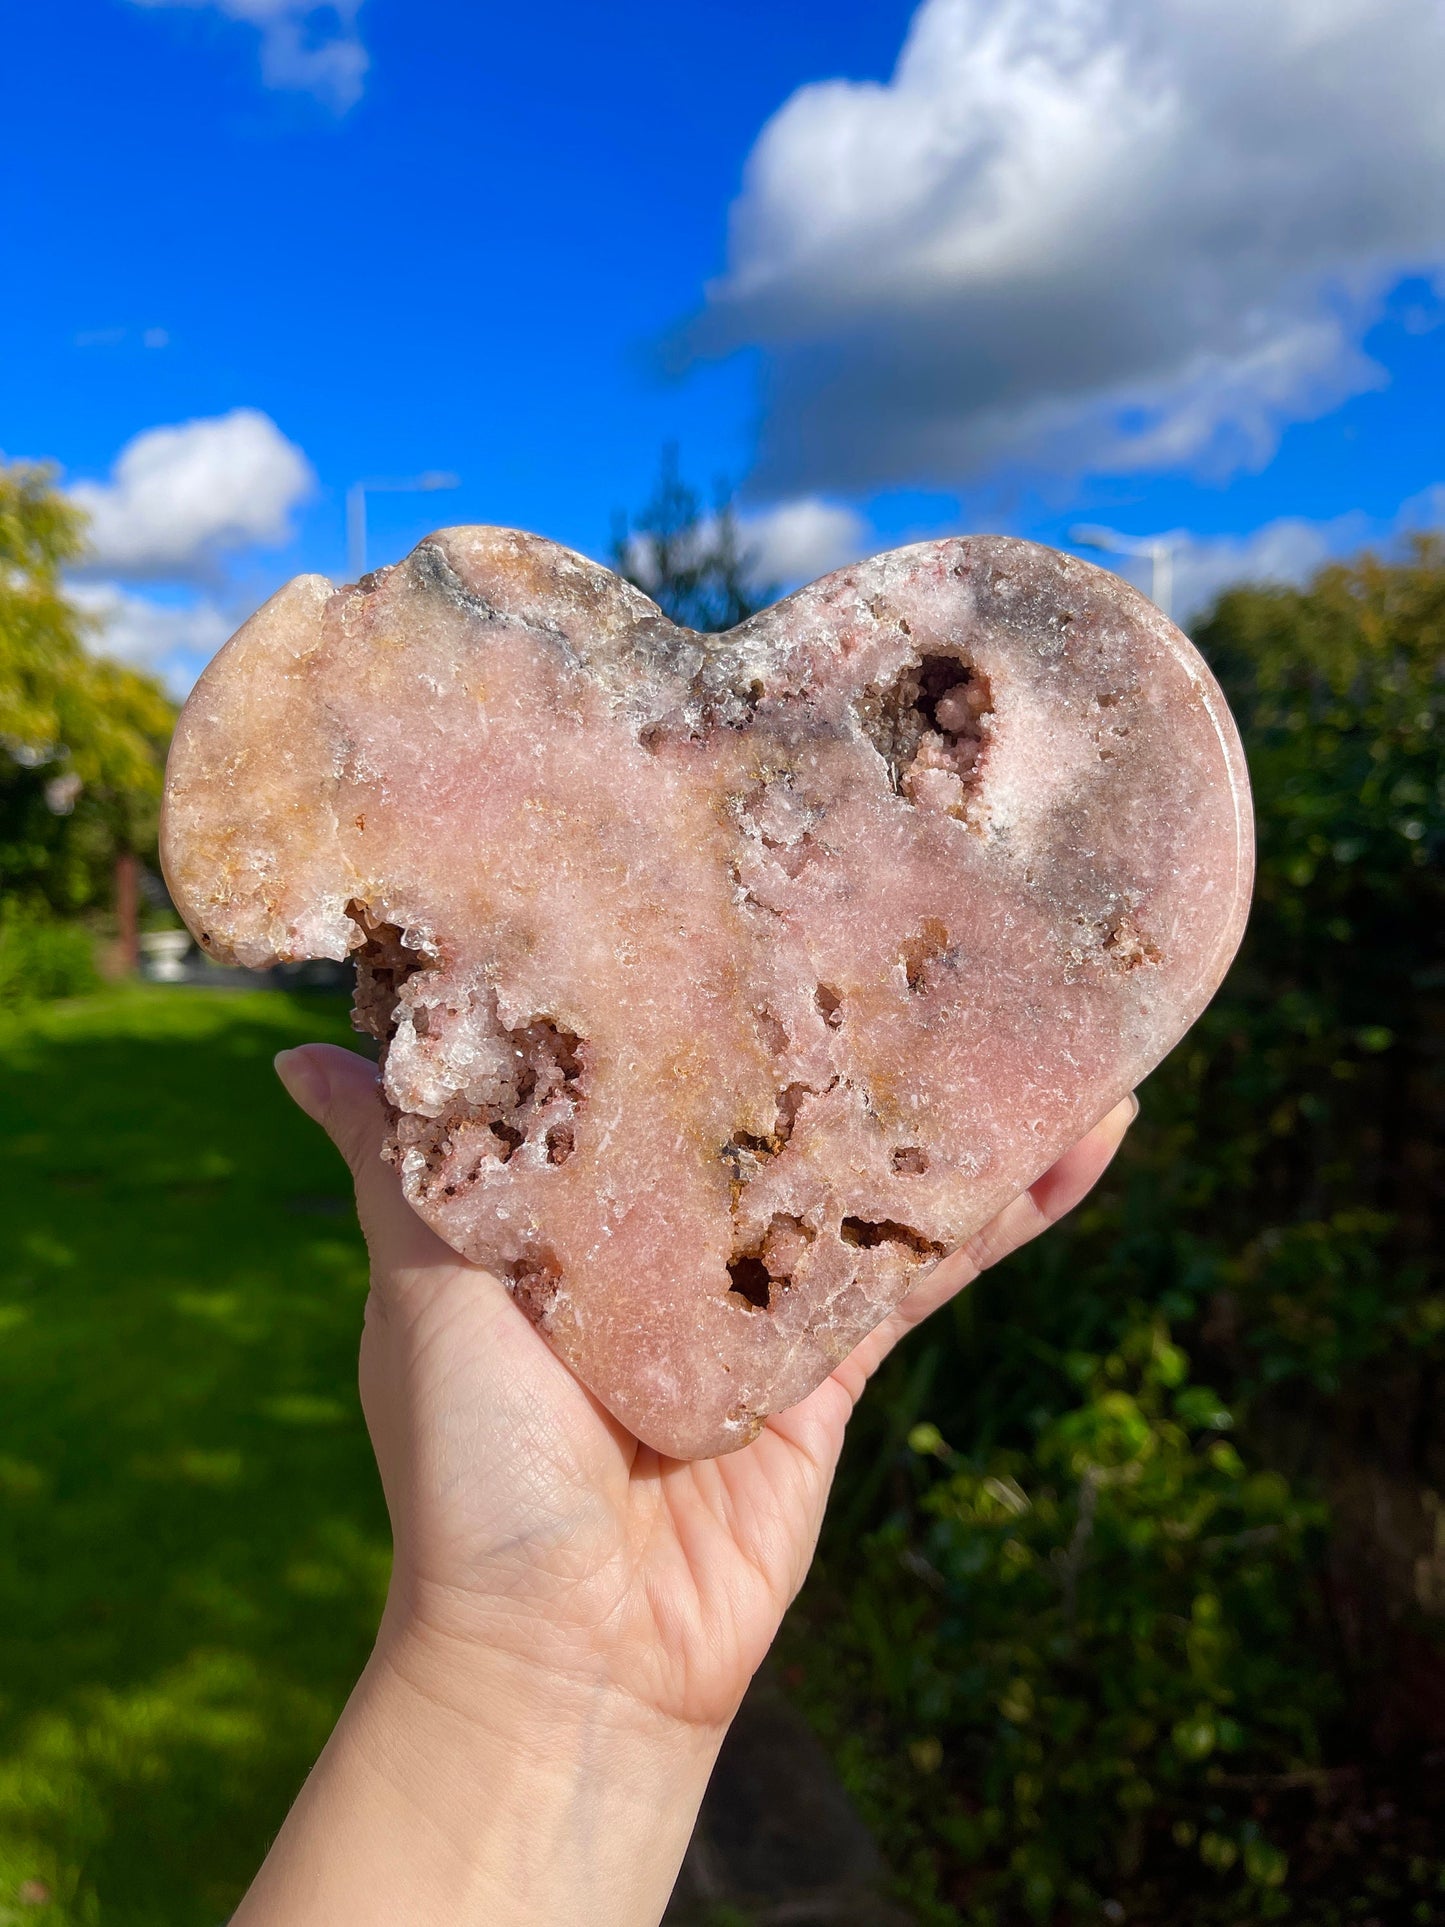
<point>725,983</point>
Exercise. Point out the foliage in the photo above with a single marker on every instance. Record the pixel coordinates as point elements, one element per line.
<point>1327,1049</point>
<point>193,1545</point>
<point>1278,1205</point>
<point>82,738</point>
<point>694,566</point>
<point>41,958</point>
<point>1090,1659</point>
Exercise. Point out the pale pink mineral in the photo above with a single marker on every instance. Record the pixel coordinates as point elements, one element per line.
<point>725,983</point>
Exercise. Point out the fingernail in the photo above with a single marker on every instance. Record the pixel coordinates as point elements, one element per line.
<point>1134,1103</point>
<point>306,1083</point>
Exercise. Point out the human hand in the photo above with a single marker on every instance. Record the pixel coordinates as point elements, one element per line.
<point>559,1589</point>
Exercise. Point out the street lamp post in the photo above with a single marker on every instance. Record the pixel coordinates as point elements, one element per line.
<point>1159,549</point>
<point>356,507</point>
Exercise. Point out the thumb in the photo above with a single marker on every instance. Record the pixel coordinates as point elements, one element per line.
<point>338,1090</point>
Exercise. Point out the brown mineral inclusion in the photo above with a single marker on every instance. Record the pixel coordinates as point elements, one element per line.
<point>724,983</point>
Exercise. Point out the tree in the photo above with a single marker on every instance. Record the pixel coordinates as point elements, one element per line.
<point>82,738</point>
<point>694,566</point>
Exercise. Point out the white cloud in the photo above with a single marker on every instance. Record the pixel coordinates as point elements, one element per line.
<point>305,46</point>
<point>179,496</point>
<point>173,641</point>
<point>1084,234</point>
<point>1423,513</point>
<point>779,547</point>
<point>113,337</point>
<point>797,541</point>
<point>1289,550</point>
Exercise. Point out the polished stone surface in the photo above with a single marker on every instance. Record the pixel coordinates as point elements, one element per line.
<point>726,983</point>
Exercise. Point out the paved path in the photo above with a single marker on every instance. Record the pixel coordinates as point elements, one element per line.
<point>778,1843</point>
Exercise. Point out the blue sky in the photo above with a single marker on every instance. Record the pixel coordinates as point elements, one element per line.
<point>1163,266</point>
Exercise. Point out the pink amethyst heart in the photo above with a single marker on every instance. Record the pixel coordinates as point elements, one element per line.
<point>725,984</point>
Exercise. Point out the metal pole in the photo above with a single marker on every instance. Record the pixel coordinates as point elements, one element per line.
<point>356,508</point>
<point>1159,551</point>
<point>356,530</point>
<point>127,911</point>
<point>1161,576</point>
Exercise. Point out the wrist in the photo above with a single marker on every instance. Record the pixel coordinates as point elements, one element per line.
<point>546,1794</point>
<point>549,1699</point>
<point>467,1783</point>
<point>558,1648</point>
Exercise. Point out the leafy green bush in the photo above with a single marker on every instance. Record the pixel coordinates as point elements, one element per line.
<point>1085,1653</point>
<point>41,959</point>
<point>1279,1205</point>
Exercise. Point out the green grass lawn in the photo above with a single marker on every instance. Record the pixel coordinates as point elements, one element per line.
<point>193,1547</point>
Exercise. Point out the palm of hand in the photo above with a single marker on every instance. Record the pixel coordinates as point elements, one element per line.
<point>528,1520</point>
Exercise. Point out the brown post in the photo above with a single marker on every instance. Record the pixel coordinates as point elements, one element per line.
<point>127,911</point>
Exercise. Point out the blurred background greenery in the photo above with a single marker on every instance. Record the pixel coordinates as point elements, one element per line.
<point>194,1544</point>
<point>1131,1600</point>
